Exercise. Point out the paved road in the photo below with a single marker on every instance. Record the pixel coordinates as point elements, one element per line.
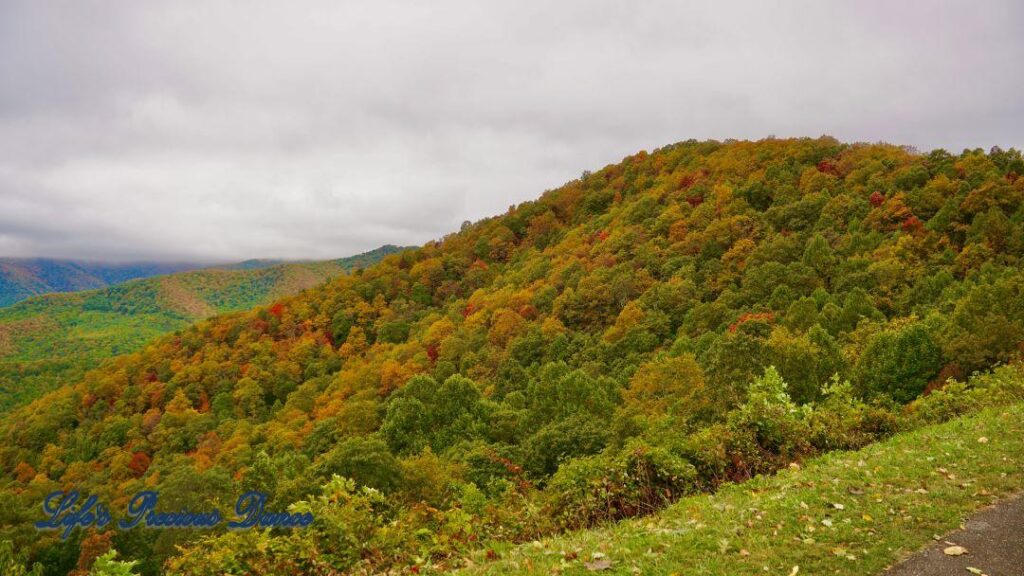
<point>994,540</point>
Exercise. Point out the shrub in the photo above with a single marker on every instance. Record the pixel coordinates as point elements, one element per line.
<point>707,450</point>
<point>636,480</point>
<point>841,421</point>
<point>349,527</point>
<point>768,430</point>
<point>429,478</point>
<point>1002,386</point>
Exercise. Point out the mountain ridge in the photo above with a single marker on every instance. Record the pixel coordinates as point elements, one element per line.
<point>22,278</point>
<point>53,338</point>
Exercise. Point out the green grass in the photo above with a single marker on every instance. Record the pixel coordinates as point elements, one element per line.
<point>894,497</point>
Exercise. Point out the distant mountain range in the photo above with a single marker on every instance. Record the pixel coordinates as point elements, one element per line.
<point>55,338</point>
<point>22,278</point>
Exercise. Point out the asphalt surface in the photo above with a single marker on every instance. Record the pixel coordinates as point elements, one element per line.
<point>994,539</point>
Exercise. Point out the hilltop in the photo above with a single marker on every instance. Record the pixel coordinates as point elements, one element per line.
<point>51,340</point>
<point>699,315</point>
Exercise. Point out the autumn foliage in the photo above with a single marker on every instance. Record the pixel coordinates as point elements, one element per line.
<point>698,314</point>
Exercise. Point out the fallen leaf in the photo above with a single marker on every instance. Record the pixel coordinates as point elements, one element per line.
<point>598,565</point>
<point>983,440</point>
<point>794,571</point>
<point>838,506</point>
<point>743,552</point>
<point>974,570</point>
<point>954,551</point>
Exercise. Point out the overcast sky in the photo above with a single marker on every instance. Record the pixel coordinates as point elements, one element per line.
<point>229,130</point>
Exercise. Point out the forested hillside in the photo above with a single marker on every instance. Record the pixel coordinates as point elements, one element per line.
<point>702,313</point>
<point>22,278</point>
<point>54,339</point>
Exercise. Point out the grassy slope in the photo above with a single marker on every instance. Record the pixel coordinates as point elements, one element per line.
<point>896,496</point>
<point>52,339</point>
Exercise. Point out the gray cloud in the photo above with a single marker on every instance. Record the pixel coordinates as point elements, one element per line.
<point>228,130</point>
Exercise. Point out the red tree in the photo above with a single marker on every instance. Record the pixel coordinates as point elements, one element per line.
<point>139,464</point>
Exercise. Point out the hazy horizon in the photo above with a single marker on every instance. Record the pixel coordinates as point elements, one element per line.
<point>208,263</point>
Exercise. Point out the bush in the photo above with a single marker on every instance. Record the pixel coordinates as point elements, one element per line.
<point>841,421</point>
<point>1002,386</point>
<point>348,527</point>
<point>430,479</point>
<point>769,430</point>
<point>637,480</point>
<point>707,450</point>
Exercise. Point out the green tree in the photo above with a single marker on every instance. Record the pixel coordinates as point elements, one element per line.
<point>561,392</point>
<point>9,565</point>
<point>802,314</point>
<point>424,413</point>
<point>668,385</point>
<point>819,256</point>
<point>366,460</point>
<point>562,441</point>
<point>106,565</point>
<point>899,363</point>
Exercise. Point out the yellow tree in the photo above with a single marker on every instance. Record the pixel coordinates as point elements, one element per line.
<point>667,385</point>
